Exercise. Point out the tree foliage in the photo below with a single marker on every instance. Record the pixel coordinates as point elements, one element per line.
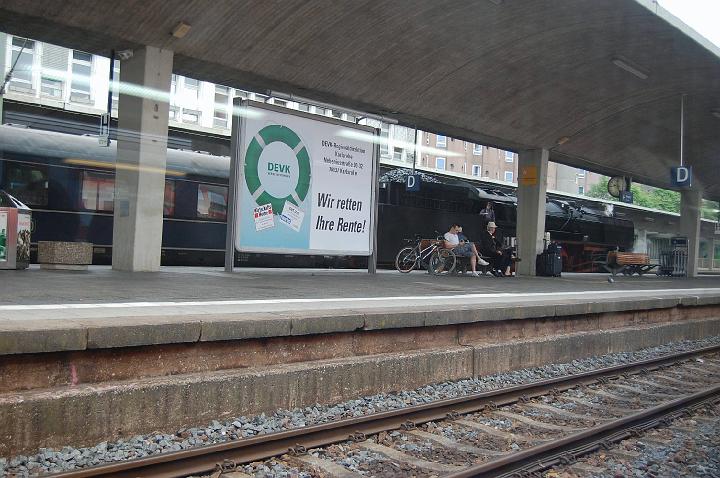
<point>646,196</point>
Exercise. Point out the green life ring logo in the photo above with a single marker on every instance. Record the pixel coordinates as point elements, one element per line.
<point>277,168</point>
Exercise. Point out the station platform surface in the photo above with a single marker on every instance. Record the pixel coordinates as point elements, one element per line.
<point>42,311</point>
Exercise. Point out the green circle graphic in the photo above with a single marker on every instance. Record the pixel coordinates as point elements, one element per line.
<point>268,135</point>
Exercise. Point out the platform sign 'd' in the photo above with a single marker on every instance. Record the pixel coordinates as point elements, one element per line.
<point>626,197</point>
<point>412,182</point>
<point>681,176</point>
<point>304,185</point>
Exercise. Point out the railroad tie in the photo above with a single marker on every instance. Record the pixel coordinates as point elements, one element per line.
<point>327,466</point>
<point>662,385</point>
<point>641,392</point>
<point>396,455</point>
<point>685,381</point>
<point>536,423</point>
<point>589,404</point>
<point>560,412</point>
<point>494,431</point>
<point>452,444</point>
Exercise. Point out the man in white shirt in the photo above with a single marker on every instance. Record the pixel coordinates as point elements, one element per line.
<point>462,248</point>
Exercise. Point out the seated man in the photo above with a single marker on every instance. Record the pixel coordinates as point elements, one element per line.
<point>492,247</point>
<point>462,248</point>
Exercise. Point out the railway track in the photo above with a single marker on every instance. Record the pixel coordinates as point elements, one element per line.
<point>520,429</point>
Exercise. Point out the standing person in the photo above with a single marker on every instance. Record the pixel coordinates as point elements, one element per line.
<point>463,249</point>
<point>492,247</point>
<point>488,214</point>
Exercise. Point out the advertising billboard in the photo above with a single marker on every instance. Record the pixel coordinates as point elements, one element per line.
<point>302,184</point>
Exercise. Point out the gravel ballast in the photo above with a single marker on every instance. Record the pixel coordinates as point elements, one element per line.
<point>69,458</point>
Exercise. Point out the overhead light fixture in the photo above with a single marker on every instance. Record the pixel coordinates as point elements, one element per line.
<point>716,113</point>
<point>628,66</point>
<point>563,140</point>
<point>180,30</point>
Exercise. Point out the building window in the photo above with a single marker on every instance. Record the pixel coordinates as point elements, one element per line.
<point>22,74</point>
<point>190,116</point>
<point>27,183</point>
<point>98,192</point>
<point>222,96</point>
<point>440,141</point>
<point>280,102</point>
<point>304,107</point>
<point>259,97</point>
<point>212,201</point>
<point>174,111</point>
<point>116,86</point>
<point>242,94</point>
<point>397,154</point>
<point>384,139</point>
<point>581,173</point>
<point>192,84</point>
<point>581,189</point>
<point>81,72</point>
<point>220,119</point>
<point>51,88</point>
<point>476,170</point>
<point>509,156</point>
<point>440,163</point>
<point>477,149</point>
<point>509,176</point>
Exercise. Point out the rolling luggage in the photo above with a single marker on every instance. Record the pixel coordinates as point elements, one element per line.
<point>549,262</point>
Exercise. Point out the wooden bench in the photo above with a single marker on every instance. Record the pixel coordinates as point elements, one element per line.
<point>628,263</point>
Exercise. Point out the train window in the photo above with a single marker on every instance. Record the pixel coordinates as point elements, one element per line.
<point>98,192</point>
<point>28,183</point>
<point>212,201</point>
<point>169,203</point>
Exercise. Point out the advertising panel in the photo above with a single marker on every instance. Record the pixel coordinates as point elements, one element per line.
<point>3,236</point>
<point>23,238</point>
<point>304,184</point>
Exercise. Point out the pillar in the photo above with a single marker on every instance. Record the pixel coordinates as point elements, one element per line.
<point>690,213</point>
<point>640,245</point>
<point>141,157</point>
<point>532,186</point>
<point>3,69</point>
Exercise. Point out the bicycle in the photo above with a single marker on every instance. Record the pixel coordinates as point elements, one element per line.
<point>434,258</point>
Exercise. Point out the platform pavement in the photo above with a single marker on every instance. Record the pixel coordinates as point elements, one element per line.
<point>44,311</point>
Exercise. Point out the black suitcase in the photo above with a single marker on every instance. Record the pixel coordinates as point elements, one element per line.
<point>549,262</point>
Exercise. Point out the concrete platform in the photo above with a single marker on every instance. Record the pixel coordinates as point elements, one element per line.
<point>96,355</point>
<point>48,311</point>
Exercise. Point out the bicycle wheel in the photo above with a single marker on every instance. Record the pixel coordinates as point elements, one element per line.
<point>406,259</point>
<point>441,261</point>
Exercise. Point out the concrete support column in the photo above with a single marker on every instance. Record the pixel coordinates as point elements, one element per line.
<point>532,186</point>
<point>640,245</point>
<point>3,69</point>
<point>141,157</point>
<point>690,213</point>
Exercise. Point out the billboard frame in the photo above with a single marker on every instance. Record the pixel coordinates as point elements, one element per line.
<point>237,161</point>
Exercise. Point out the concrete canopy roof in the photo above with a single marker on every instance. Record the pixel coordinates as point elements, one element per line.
<point>511,73</point>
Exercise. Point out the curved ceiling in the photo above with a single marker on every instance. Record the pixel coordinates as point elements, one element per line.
<point>517,74</point>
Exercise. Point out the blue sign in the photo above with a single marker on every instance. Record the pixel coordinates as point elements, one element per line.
<point>681,176</point>
<point>626,196</point>
<point>412,183</point>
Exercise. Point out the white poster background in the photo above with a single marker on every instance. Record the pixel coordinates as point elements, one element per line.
<point>342,172</point>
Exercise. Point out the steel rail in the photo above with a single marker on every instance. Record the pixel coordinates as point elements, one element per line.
<point>565,450</point>
<point>206,458</point>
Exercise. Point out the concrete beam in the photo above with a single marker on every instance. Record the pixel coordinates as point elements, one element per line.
<point>532,186</point>
<point>141,158</point>
<point>690,213</point>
